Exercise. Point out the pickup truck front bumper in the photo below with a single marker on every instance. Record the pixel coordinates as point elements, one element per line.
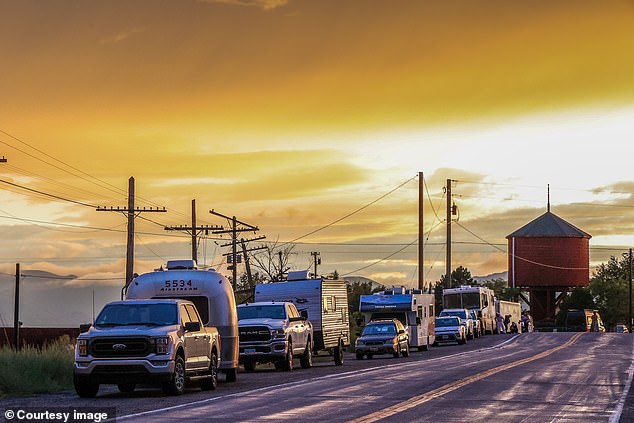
<point>124,370</point>
<point>263,352</point>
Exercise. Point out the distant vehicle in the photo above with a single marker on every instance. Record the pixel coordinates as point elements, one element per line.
<point>274,332</point>
<point>581,320</point>
<point>450,329</point>
<point>326,303</point>
<point>465,319</point>
<point>477,324</point>
<point>621,329</point>
<point>479,298</point>
<point>212,294</point>
<point>383,337</point>
<point>146,341</point>
<point>413,308</point>
<point>511,312</point>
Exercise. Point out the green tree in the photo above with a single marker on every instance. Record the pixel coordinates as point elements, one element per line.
<point>355,290</point>
<point>459,276</point>
<point>502,289</point>
<point>580,298</point>
<point>609,290</point>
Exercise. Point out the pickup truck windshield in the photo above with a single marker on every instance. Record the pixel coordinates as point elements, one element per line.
<point>138,314</point>
<point>446,322</point>
<point>261,312</point>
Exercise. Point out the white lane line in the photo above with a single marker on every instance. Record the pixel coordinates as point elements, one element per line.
<point>619,408</point>
<point>311,380</point>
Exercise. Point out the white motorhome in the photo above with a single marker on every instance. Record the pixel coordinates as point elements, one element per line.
<point>325,301</point>
<point>210,292</point>
<point>479,298</point>
<point>413,308</point>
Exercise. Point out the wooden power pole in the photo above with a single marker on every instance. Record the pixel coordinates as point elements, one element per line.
<point>16,309</point>
<point>421,232</point>
<point>131,212</point>
<point>448,257</point>
<point>193,231</point>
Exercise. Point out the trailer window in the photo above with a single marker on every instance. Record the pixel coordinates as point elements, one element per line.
<point>325,304</point>
<point>334,303</point>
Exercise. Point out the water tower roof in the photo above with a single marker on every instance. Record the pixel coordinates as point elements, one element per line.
<point>549,225</point>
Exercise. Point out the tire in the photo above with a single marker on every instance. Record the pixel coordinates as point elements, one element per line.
<point>84,388</point>
<point>250,366</point>
<point>306,360</point>
<point>231,375</point>
<point>338,353</point>
<point>397,354</point>
<point>176,385</point>
<point>287,363</point>
<point>370,356</point>
<point>360,356</point>
<point>210,383</point>
<point>406,352</point>
<point>126,387</point>
<point>463,340</point>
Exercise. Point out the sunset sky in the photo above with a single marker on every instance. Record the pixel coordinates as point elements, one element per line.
<point>291,114</point>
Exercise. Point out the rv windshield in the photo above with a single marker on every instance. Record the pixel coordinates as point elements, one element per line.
<point>471,300</point>
<point>138,314</point>
<point>452,301</point>
<point>274,311</point>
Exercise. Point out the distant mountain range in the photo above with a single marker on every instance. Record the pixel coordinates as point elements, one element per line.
<point>492,276</point>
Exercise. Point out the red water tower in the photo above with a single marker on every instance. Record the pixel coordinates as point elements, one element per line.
<point>548,257</point>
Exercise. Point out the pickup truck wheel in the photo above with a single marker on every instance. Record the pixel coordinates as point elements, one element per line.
<point>85,389</point>
<point>287,364</point>
<point>306,360</point>
<point>406,352</point>
<point>176,385</point>
<point>126,387</point>
<point>397,354</point>
<point>339,353</point>
<point>211,382</point>
<point>249,365</point>
<point>231,375</point>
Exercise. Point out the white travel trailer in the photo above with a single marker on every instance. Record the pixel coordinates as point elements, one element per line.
<point>413,308</point>
<point>210,292</point>
<point>325,301</point>
<point>479,298</point>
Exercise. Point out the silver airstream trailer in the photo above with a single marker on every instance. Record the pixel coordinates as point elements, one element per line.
<point>211,293</point>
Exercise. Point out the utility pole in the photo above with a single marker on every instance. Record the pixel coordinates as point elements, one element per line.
<point>193,231</point>
<point>3,160</point>
<point>421,232</point>
<point>131,212</point>
<point>236,226</point>
<point>245,250</point>
<point>316,260</point>
<point>16,310</point>
<point>281,275</point>
<point>448,257</point>
<point>629,313</point>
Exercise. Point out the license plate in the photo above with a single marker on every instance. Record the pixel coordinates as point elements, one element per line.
<point>249,350</point>
<point>374,349</point>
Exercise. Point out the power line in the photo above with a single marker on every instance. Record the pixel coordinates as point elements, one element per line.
<point>47,194</point>
<point>350,214</point>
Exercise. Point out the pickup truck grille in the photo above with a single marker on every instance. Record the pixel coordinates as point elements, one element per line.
<point>120,347</point>
<point>254,334</point>
<point>374,343</point>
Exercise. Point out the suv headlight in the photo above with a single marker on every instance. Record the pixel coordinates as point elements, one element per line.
<point>278,333</point>
<point>82,347</point>
<point>162,345</point>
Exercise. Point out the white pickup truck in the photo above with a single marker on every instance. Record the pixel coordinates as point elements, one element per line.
<point>274,332</point>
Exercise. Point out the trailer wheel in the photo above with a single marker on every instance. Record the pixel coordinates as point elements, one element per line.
<point>339,353</point>
<point>231,375</point>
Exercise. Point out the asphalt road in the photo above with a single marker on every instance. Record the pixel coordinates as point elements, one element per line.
<point>537,377</point>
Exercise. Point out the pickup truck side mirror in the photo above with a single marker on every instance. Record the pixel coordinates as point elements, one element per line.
<point>192,327</point>
<point>84,327</point>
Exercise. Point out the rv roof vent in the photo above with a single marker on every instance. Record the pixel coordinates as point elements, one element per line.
<point>181,265</point>
<point>298,275</point>
<point>395,290</point>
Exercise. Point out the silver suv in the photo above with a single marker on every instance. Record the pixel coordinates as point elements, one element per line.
<point>146,341</point>
<point>465,319</point>
<point>274,332</point>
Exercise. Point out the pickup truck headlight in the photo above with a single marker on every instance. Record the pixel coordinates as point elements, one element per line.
<point>82,347</point>
<point>359,342</point>
<point>162,345</point>
<point>278,333</point>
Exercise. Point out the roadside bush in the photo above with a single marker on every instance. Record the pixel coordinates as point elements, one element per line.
<point>37,370</point>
